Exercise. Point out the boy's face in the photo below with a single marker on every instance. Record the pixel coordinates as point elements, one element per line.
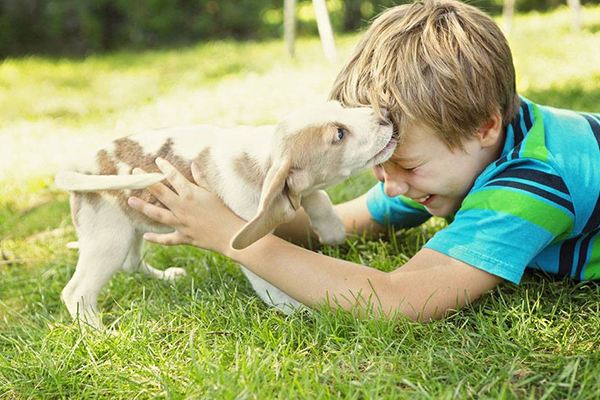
<point>424,169</point>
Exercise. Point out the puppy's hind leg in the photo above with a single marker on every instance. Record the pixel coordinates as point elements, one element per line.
<point>272,295</point>
<point>135,262</point>
<point>105,236</point>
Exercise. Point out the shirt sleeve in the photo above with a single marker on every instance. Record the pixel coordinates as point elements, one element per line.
<point>400,211</point>
<point>506,222</point>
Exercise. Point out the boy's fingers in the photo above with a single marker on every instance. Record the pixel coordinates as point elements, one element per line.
<point>168,239</point>
<point>174,177</point>
<point>158,190</point>
<point>158,214</point>
<point>163,193</point>
<point>199,176</point>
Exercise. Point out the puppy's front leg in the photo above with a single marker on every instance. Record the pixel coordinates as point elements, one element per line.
<point>323,218</point>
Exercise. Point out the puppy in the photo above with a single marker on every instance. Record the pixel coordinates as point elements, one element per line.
<point>264,174</point>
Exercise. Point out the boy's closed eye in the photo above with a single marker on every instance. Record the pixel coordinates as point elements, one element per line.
<point>407,164</point>
<point>408,167</point>
<point>391,167</point>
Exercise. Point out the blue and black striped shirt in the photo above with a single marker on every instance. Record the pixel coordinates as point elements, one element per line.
<point>537,206</point>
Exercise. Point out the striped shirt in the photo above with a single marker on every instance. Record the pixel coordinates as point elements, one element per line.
<point>537,206</point>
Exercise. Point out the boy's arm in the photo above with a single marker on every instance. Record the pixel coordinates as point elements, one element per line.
<point>354,213</point>
<point>426,287</point>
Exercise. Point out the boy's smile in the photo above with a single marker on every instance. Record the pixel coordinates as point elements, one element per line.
<point>424,169</point>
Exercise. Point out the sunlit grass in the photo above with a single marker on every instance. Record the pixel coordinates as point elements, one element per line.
<point>208,335</point>
<point>555,64</point>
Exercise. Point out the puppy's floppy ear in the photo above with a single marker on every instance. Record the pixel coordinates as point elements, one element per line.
<point>278,204</point>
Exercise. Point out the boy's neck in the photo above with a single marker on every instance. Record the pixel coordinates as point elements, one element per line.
<point>501,142</point>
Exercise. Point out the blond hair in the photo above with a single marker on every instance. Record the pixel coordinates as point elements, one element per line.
<point>439,62</point>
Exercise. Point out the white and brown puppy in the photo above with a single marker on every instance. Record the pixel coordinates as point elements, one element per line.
<point>264,174</point>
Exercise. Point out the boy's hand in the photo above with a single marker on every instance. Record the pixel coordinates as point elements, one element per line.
<point>198,216</point>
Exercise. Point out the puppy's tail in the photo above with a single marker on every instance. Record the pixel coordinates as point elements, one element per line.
<point>78,182</point>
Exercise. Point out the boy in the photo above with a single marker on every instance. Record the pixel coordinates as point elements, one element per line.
<point>521,181</point>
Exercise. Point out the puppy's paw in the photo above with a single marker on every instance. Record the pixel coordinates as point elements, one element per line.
<point>172,274</point>
<point>332,234</point>
<point>323,219</point>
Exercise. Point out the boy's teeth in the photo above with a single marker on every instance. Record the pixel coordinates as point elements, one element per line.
<point>422,199</point>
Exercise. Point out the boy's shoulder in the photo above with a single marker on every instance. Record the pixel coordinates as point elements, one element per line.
<point>549,165</point>
<point>548,135</point>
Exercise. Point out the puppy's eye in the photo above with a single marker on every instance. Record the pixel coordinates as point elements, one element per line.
<point>339,135</point>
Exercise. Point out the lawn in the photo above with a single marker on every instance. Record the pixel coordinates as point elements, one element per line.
<point>208,335</point>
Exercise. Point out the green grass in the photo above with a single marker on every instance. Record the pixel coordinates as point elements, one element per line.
<point>208,335</point>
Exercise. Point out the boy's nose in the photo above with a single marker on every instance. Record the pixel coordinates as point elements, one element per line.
<point>394,187</point>
<point>393,184</point>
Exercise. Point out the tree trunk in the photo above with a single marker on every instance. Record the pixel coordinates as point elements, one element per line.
<point>289,25</point>
<point>325,31</point>
<point>507,15</point>
<point>575,6</point>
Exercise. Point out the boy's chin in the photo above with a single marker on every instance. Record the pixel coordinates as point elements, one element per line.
<point>437,212</point>
<point>442,210</point>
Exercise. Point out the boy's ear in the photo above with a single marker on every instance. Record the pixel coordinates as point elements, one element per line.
<point>491,131</point>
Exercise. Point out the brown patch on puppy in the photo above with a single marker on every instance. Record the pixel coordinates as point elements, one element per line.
<point>132,154</point>
<point>210,172</point>
<point>249,169</point>
<point>106,164</point>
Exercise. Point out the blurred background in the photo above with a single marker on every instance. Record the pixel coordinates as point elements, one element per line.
<point>88,26</point>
